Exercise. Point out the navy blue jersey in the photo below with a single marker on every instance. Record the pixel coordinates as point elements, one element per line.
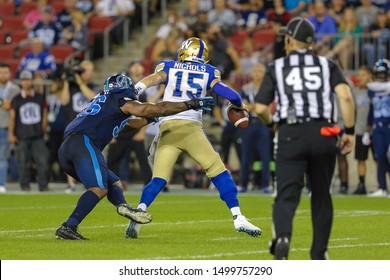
<point>101,120</point>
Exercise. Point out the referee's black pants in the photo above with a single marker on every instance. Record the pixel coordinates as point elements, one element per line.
<point>301,148</point>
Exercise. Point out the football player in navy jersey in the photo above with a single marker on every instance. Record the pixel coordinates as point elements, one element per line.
<point>379,121</point>
<point>86,136</point>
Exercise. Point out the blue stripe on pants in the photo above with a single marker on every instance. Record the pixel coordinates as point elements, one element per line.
<point>95,162</point>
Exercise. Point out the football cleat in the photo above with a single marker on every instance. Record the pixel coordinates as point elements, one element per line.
<point>243,225</point>
<point>378,193</point>
<point>132,230</point>
<point>69,233</point>
<point>136,215</point>
<point>279,248</point>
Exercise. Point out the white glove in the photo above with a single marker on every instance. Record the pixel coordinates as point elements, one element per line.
<point>366,139</point>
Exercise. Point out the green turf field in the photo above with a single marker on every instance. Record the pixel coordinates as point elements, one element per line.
<point>187,225</point>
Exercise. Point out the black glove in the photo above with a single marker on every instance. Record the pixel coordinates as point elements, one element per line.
<point>205,103</point>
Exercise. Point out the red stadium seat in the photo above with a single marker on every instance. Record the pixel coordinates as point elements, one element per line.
<point>23,51</point>
<point>6,52</point>
<point>58,6</point>
<point>26,7</point>
<point>99,23</point>
<point>12,23</point>
<point>60,52</point>
<point>238,38</point>
<point>7,9</point>
<point>263,38</point>
<point>18,36</point>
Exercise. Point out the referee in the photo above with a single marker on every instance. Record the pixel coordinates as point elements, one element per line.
<point>302,85</point>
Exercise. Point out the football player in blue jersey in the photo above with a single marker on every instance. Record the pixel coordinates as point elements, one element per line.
<point>187,77</point>
<point>86,136</point>
<point>379,121</point>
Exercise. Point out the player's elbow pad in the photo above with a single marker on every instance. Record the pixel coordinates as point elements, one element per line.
<point>223,90</point>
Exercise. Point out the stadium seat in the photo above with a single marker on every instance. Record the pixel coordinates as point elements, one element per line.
<point>23,51</point>
<point>60,52</point>
<point>99,23</point>
<point>7,8</point>
<point>263,38</point>
<point>12,23</point>
<point>6,52</point>
<point>18,36</point>
<point>238,38</point>
<point>58,6</point>
<point>26,7</point>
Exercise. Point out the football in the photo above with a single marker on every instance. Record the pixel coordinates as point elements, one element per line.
<point>240,118</point>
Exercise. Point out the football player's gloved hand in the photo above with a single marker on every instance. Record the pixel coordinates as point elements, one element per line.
<point>201,103</point>
<point>366,139</point>
<point>243,107</point>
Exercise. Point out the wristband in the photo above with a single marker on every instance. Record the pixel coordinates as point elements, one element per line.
<point>349,130</point>
<point>140,87</point>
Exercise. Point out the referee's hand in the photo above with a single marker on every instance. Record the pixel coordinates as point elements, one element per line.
<point>347,143</point>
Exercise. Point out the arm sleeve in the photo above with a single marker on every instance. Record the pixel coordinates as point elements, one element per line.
<point>267,89</point>
<point>230,94</point>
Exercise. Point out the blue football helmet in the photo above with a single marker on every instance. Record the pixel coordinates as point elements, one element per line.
<point>120,83</point>
<point>382,69</point>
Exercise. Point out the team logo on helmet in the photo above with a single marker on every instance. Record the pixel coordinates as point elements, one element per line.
<point>193,49</point>
<point>120,83</point>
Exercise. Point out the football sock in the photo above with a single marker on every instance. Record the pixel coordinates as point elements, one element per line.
<point>227,189</point>
<point>151,190</point>
<point>115,195</point>
<point>235,211</point>
<point>361,179</point>
<point>86,203</point>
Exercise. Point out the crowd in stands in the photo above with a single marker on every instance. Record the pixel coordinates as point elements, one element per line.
<point>242,36</point>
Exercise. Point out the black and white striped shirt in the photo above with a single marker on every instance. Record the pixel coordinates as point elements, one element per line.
<point>302,80</point>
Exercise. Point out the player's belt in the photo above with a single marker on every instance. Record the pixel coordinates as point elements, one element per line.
<point>306,120</point>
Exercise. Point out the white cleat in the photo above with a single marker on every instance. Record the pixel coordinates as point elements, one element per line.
<point>3,189</point>
<point>243,225</point>
<point>378,193</point>
<point>132,230</point>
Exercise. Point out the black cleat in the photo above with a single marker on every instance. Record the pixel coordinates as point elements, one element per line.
<point>361,189</point>
<point>136,215</point>
<point>69,233</point>
<point>343,190</point>
<point>279,248</point>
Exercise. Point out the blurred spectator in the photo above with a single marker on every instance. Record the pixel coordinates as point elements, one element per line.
<point>38,60</point>
<point>256,138</point>
<point>249,56</point>
<point>222,16</point>
<point>223,55</point>
<point>205,5</point>
<point>47,30</point>
<point>86,6</point>
<point>34,16</point>
<point>336,9</point>
<point>75,34</point>
<point>200,27</point>
<point>8,90</point>
<point>190,14</point>
<point>366,14</point>
<point>56,122</point>
<point>166,48</point>
<point>278,46</point>
<point>174,21</point>
<point>109,8</point>
<point>279,13</point>
<point>64,16</point>
<point>380,39</point>
<point>130,141</point>
<point>27,127</point>
<point>346,38</point>
<point>362,108</point>
<point>78,89</point>
<point>324,26</point>
<point>254,16</point>
<point>296,7</point>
